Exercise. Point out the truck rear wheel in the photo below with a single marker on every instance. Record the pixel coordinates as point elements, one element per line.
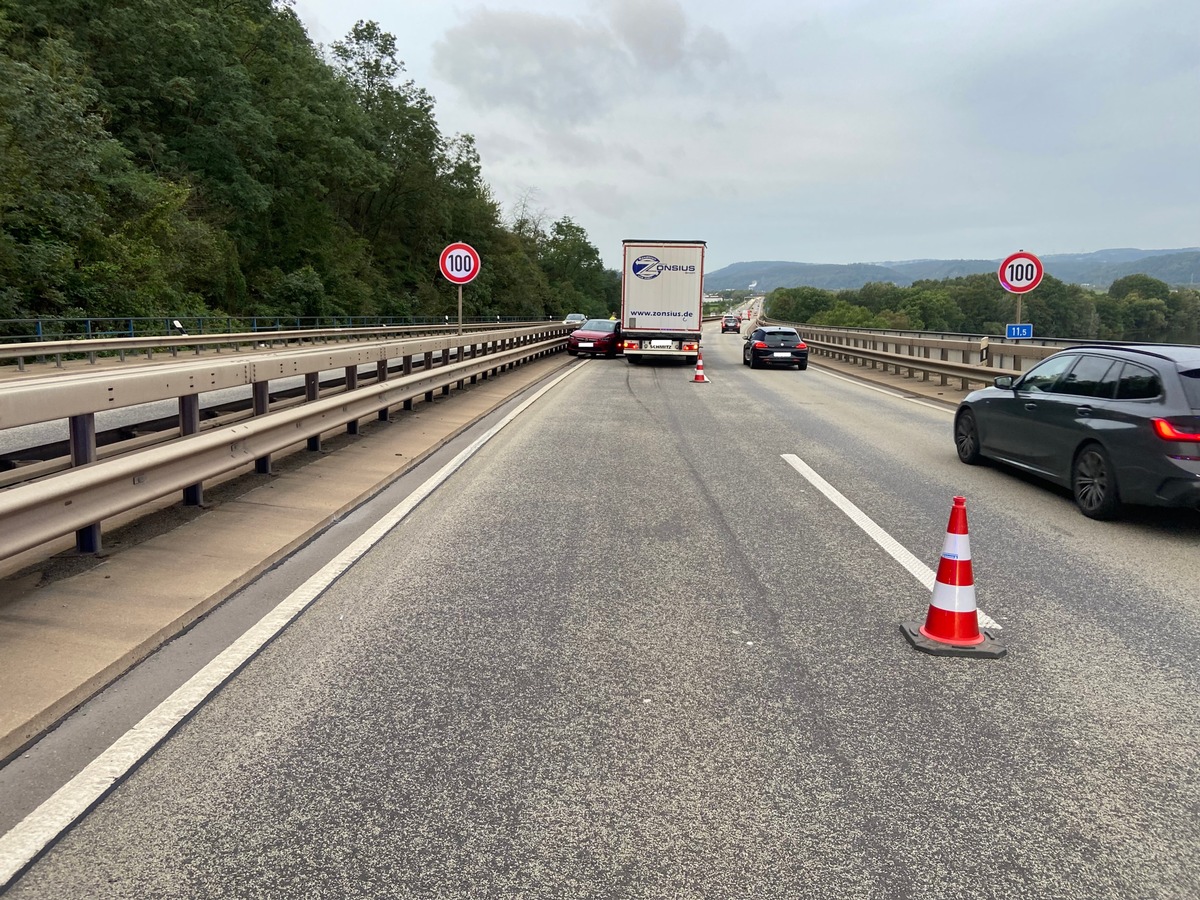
<point>634,358</point>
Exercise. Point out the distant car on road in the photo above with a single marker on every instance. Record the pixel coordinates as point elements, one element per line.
<point>575,319</point>
<point>597,337</point>
<point>730,323</point>
<point>1114,424</point>
<point>775,345</point>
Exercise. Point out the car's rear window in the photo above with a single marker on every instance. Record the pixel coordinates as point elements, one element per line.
<point>782,337</point>
<point>1138,383</point>
<point>1191,387</point>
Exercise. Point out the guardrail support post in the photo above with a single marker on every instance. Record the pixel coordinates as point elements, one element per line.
<point>446,359</point>
<point>352,384</point>
<point>312,392</point>
<point>189,423</point>
<point>381,374</point>
<point>408,371</point>
<point>262,405</point>
<point>428,367</point>
<point>83,451</point>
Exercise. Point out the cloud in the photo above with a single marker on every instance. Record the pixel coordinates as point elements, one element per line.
<point>548,67</point>
<point>572,72</point>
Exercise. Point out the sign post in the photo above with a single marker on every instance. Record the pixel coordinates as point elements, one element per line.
<point>459,264</point>
<point>1019,274</point>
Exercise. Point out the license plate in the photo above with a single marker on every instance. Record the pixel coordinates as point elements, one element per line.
<point>782,353</point>
<point>587,343</point>
<point>662,345</point>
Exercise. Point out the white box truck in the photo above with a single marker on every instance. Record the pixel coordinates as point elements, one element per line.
<point>662,292</point>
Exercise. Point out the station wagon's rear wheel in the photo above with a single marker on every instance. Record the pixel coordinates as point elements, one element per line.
<point>1094,483</point>
<point>966,437</point>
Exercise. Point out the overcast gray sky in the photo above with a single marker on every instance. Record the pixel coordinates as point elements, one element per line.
<point>828,131</point>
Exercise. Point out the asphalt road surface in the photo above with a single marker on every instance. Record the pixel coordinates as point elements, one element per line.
<point>628,650</point>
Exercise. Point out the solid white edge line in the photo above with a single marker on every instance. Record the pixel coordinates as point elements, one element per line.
<point>22,844</point>
<point>894,548</point>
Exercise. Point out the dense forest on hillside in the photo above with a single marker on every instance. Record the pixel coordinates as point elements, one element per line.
<point>192,157</point>
<point>1135,308</point>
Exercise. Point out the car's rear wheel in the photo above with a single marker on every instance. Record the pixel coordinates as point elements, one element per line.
<point>966,437</point>
<point>745,358</point>
<point>634,358</point>
<point>800,367</point>
<point>754,363</point>
<point>571,352</point>
<point>1094,483</point>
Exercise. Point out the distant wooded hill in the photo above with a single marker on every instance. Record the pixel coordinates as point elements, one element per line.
<point>1176,267</point>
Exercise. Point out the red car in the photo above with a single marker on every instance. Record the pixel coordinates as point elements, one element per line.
<point>595,337</point>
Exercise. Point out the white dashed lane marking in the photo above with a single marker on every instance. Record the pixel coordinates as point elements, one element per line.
<point>894,548</point>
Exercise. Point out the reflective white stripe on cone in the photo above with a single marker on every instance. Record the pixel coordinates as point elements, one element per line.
<point>699,376</point>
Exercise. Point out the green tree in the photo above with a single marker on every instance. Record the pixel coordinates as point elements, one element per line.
<point>1144,285</point>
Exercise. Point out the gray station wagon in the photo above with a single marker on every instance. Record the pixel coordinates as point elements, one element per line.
<point>1115,424</point>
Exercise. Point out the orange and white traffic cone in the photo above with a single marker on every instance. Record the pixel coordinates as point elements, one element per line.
<point>952,625</point>
<point>699,378</point>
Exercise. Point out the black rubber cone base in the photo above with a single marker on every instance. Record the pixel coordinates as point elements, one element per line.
<point>991,648</point>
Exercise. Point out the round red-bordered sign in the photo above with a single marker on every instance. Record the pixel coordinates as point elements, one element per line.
<point>459,263</point>
<point>1020,273</point>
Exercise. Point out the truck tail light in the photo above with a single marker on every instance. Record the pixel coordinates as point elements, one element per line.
<point>690,345</point>
<point>1171,431</point>
<point>630,345</point>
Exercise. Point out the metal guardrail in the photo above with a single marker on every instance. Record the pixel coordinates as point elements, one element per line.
<point>79,499</point>
<point>966,361</point>
<point>60,328</point>
<point>46,398</point>
<point>91,348</point>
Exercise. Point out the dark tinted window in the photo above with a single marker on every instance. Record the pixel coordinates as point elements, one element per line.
<point>1191,387</point>
<point>1044,376</point>
<point>599,325</point>
<point>782,336</point>
<point>1092,376</point>
<point>1138,383</point>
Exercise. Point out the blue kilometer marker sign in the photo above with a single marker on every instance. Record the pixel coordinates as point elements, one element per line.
<point>1018,332</point>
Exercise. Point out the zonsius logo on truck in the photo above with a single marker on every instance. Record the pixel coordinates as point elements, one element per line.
<point>648,267</point>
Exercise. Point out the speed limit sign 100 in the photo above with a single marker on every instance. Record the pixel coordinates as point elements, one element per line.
<point>460,263</point>
<point>1021,273</point>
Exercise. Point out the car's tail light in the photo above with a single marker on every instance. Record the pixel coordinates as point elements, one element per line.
<point>760,345</point>
<point>1176,431</point>
<point>800,345</point>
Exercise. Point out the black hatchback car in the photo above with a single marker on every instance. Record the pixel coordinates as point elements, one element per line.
<point>775,345</point>
<point>1115,424</point>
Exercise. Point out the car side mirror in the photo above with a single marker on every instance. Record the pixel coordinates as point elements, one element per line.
<point>1004,381</point>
